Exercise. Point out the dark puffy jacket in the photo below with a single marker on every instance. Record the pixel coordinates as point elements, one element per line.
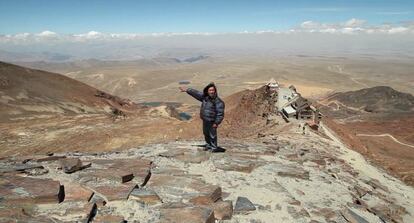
<point>212,109</point>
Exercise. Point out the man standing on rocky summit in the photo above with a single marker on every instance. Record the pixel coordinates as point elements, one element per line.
<point>211,112</point>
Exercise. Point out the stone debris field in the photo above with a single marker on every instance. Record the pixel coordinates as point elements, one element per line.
<point>290,177</point>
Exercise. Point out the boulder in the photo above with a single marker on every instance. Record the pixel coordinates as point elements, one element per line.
<point>70,165</point>
<point>223,210</point>
<point>243,206</point>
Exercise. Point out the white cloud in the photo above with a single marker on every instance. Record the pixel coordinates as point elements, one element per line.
<point>91,35</point>
<point>355,22</point>
<point>47,33</point>
<point>328,30</point>
<point>22,35</point>
<point>349,27</point>
<point>354,26</point>
<point>310,25</point>
<point>398,30</point>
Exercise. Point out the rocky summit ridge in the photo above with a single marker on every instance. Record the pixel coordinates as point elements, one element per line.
<point>289,177</point>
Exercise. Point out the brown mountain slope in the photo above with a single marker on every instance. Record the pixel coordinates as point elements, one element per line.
<point>30,93</point>
<point>47,112</point>
<point>377,122</point>
<point>247,113</point>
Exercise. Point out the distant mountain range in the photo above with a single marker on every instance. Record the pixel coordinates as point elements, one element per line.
<point>379,99</point>
<point>34,56</point>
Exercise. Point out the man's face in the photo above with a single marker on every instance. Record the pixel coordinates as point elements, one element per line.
<point>211,91</point>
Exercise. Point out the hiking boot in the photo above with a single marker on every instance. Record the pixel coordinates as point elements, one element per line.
<point>218,150</point>
<point>207,147</point>
<point>215,150</point>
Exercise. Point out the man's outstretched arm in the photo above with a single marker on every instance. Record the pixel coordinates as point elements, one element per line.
<point>193,92</point>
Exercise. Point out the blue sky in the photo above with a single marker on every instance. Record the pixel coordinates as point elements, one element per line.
<point>17,16</point>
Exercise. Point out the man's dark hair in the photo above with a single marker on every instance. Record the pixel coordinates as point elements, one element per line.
<point>205,91</point>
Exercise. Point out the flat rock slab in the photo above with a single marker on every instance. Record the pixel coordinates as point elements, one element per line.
<point>48,158</point>
<point>352,217</point>
<point>194,157</point>
<point>19,215</point>
<point>192,189</point>
<point>98,200</point>
<point>102,176</point>
<point>173,152</point>
<point>140,168</point>
<point>295,173</point>
<point>236,162</point>
<point>390,212</point>
<point>186,214</point>
<point>292,171</point>
<point>145,195</point>
<point>109,219</point>
<point>81,213</point>
<point>186,155</point>
<point>29,190</point>
<point>375,184</point>
<point>115,192</point>
<point>76,192</point>
<point>9,168</point>
<point>243,206</point>
<point>298,212</point>
<point>36,171</point>
<point>172,171</point>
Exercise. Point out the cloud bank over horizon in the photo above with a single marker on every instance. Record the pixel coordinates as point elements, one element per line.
<point>353,36</point>
<point>350,27</point>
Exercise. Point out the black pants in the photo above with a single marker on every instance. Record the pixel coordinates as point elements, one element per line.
<point>210,134</point>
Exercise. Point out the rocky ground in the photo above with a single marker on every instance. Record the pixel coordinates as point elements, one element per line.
<point>289,177</point>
